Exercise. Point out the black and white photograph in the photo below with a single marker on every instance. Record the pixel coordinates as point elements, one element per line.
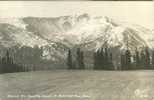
<point>86,50</point>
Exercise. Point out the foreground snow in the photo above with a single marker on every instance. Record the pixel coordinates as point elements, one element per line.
<point>78,85</point>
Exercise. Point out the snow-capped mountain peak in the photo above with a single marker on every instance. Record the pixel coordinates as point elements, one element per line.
<point>85,31</point>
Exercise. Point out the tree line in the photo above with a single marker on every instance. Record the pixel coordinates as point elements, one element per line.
<point>7,64</point>
<point>103,60</point>
<point>79,64</point>
<point>143,59</point>
<point>20,59</point>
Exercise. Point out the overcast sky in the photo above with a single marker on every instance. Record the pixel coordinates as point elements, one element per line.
<point>134,12</point>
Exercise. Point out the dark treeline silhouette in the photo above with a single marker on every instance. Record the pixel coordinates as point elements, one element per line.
<point>79,61</point>
<point>20,59</point>
<point>103,60</point>
<point>140,60</point>
<point>69,60</point>
<point>7,64</point>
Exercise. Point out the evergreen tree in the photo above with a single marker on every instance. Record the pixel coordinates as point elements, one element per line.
<point>101,59</point>
<point>147,58</point>
<point>128,59</point>
<point>0,64</point>
<point>97,60</point>
<point>111,66</point>
<point>80,59</point>
<point>142,62</point>
<point>69,60</point>
<point>137,59</point>
<point>123,61</point>
<point>106,60</point>
<point>133,63</point>
<point>153,57</point>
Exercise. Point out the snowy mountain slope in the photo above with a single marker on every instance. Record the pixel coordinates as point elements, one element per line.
<point>57,34</point>
<point>84,29</point>
<point>11,35</point>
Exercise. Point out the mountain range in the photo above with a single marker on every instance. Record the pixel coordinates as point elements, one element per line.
<point>57,34</point>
